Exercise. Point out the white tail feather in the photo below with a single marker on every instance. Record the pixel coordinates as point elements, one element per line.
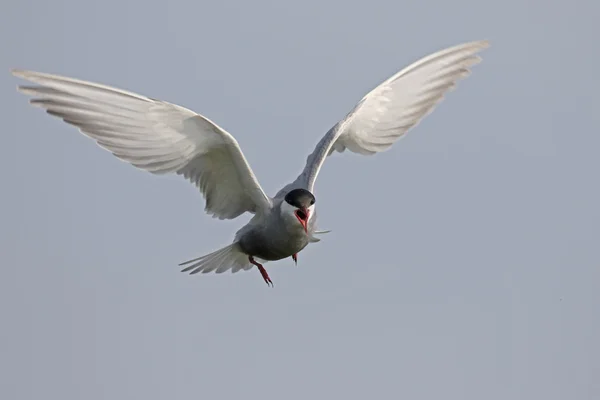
<point>313,239</point>
<point>229,257</point>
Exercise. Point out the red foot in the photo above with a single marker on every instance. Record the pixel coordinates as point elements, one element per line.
<point>262,270</point>
<point>295,257</point>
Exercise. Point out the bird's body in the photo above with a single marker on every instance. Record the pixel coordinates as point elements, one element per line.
<point>161,137</point>
<point>271,238</point>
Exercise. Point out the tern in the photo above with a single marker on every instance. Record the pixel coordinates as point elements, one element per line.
<point>161,137</point>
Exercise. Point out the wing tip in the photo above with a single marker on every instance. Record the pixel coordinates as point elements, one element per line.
<point>16,71</point>
<point>28,76</point>
<point>21,73</point>
<point>474,46</point>
<point>481,44</point>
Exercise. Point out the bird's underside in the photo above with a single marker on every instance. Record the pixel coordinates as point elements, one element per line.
<point>161,137</point>
<point>283,233</point>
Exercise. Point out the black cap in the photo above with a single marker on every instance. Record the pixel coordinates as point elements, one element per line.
<point>300,198</point>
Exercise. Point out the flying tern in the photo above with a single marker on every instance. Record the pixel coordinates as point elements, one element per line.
<point>162,137</point>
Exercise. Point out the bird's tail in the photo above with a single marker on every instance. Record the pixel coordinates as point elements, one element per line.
<point>229,257</point>
<point>316,239</point>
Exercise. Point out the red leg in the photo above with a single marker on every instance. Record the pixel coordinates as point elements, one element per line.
<point>262,270</point>
<point>295,257</point>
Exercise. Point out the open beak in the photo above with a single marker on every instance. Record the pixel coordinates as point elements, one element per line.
<point>302,214</point>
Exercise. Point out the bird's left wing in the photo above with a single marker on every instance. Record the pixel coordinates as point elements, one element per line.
<point>387,112</point>
<point>155,136</point>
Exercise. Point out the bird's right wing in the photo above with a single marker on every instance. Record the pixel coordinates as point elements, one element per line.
<point>387,112</point>
<point>155,136</point>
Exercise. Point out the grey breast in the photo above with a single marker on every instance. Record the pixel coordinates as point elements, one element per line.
<point>271,240</point>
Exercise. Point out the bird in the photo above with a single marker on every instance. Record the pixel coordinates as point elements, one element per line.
<point>165,138</point>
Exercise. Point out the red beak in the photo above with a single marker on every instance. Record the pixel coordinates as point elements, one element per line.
<point>302,214</point>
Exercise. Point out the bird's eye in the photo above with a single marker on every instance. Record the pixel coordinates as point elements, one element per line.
<point>312,202</point>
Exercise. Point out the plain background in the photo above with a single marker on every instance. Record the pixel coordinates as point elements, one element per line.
<point>463,263</point>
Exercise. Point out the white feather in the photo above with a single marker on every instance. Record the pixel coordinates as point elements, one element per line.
<point>391,109</point>
<point>155,136</point>
<point>227,258</point>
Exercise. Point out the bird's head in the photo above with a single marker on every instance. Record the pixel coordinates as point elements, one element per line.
<point>297,207</point>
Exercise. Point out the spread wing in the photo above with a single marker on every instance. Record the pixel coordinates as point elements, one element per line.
<point>392,108</point>
<point>155,136</point>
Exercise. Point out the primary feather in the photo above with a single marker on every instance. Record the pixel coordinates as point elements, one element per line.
<point>155,136</point>
<point>387,112</point>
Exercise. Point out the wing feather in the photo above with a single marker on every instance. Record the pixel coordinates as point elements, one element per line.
<point>155,136</point>
<point>391,109</point>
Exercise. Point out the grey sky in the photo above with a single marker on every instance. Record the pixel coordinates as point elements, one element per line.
<point>472,275</point>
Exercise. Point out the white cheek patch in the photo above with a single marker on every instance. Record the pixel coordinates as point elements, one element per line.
<point>287,209</point>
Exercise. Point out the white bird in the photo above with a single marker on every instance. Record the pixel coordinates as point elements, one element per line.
<point>161,138</point>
